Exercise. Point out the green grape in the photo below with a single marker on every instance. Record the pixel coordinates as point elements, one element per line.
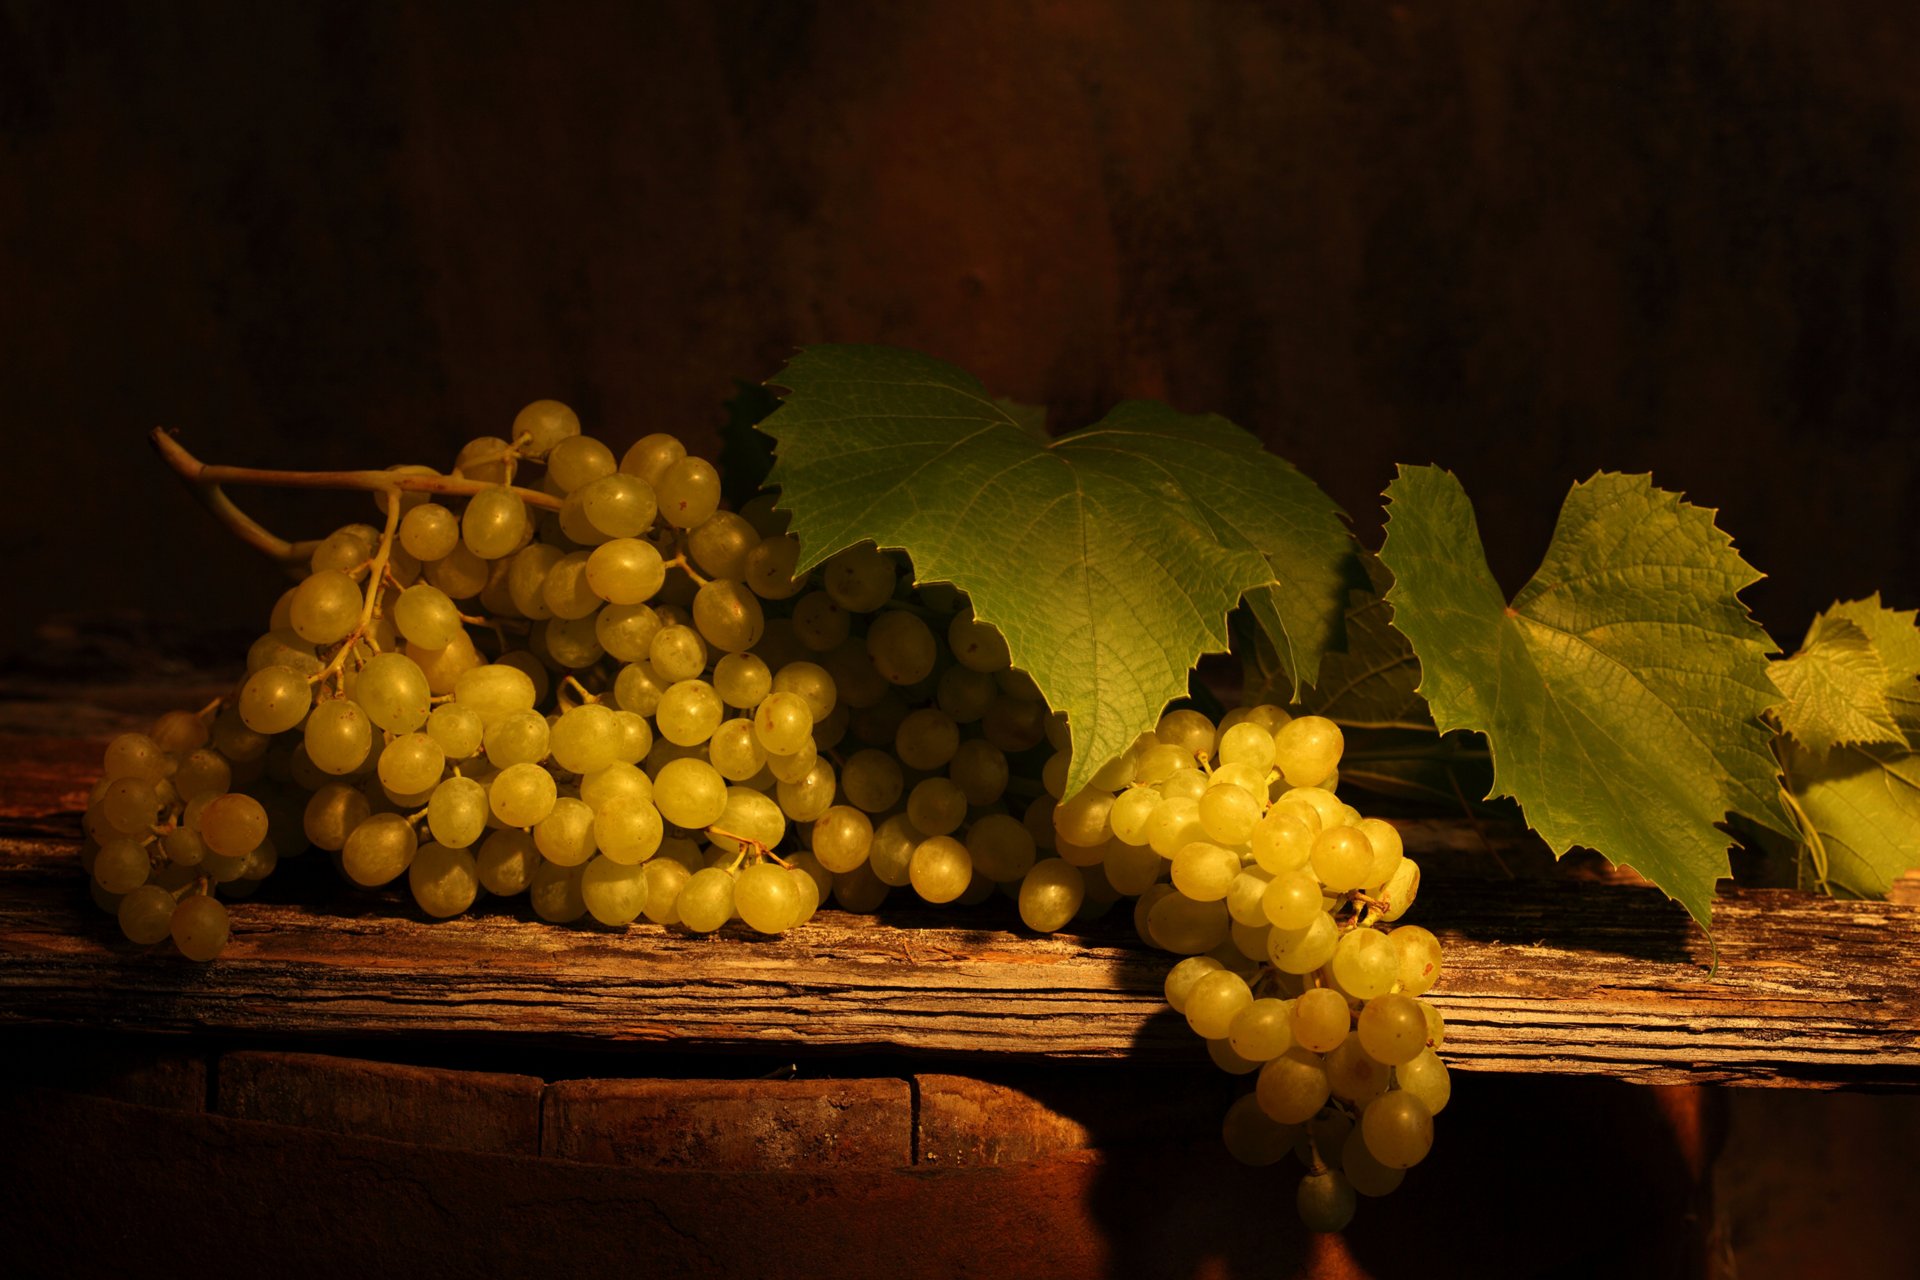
<point>1341,857</point>
<point>651,455</point>
<point>901,647</point>
<point>1303,950</point>
<point>1292,1086</point>
<point>522,794</point>
<point>393,691</point>
<point>1013,725</point>
<point>568,589</point>
<point>527,576</point>
<point>458,731</point>
<point>121,866</point>
<point>980,770</point>
<point>819,622</point>
<point>1292,900</point>
<point>1084,820</point>
<point>1204,872</point>
<point>175,732</point>
<point>735,752</point>
<point>1367,1175</point>
<point>555,892</point>
<point>1179,924</point>
<point>282,649</point>
<point>184,848</point>
<point>812,683</point>
<point>742,680</point>
<point>841,837</point>
<point>1388,850</point>
<point>1425,1077</point>
<point>146,914</point>
<point>769,568</point>
<point>1365,964</point>
<point>751,816</point>
<point>767,898</point>
<point>378,850</point>
<point>728,615</point>
<point>482,458</point>
<point>1353,1074</point>
<point>1131,869</point>
<point>891,853</point>
<point>811,795</point>
<point>860,579</point>
<point>936,806</point>
<point>1393,1030</point>
<point>690,793</point>
<point>130,806</point>
<point>1327,808</point>
<point>1156,762</point>
<point>274,700</point>
<point>442,880</point>
<point>1419,953</point>
<point>618,506</point>
<point>809,891</point>
<point>720,543</point>
<point>638,688</point>
<point>1174,824</point>
<point>506,862</point>
<point>706,900</point>
<point>542,425</point>
<point>460,573</point>
<point>795,767</point>
<point>941,869</point>
<point>135,755</point>
<point>585,739</point>
<point>199,927</point>
<point>429,532</point>
<point>615,893</point>
<point>626,630</point>
<point>976,645</point>
<point>202,772</point>
<point>1050,894</point>
<point>622,571</point>
<point>1131,814</point>
<point>677,653</point>
<point>325,607</point>
<point>412,763</point>
<point>1183,976</point>
<point>1263,1030</point>
<point>689,492</point>
<point>688,713</point>
<point>871,779</point>
<point>521,737</point>
<point>1321,1020</point>
<point>572,643</point>
<point>567,835</point>
<point>619,780</point>
<point>426,617</point>
<point>783,722</point>
<point>1247,898</point>
<point>1228,814</point>
<point>331,813</point>
<point>1190,731</point>
<point>1325,1201</point>
<point>1214,1002</point>
<point>1283,840</point>
<point>457,812</point>
<point>1228,1061</point>
<point>1399,892</point>
<point>1255,1138</point>
<point>1398,1129</point>
<point>233,824</point>
<point>577,461</point>
<point>1307,749</point>
<point>964,694</point>
<point>1246,744</point>
<point>665,878</point>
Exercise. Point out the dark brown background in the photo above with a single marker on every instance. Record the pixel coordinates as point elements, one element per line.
<point>1522,241</point>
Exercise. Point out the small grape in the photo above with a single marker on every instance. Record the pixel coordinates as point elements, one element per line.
<point>199,927</point>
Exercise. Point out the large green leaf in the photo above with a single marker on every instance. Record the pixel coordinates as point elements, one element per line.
<point>1108,557</point>
<point>1620,691</point>
<point>1863,804</point>
<point>1834,689</point>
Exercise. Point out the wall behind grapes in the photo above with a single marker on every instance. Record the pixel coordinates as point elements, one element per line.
<point>1523,242</point>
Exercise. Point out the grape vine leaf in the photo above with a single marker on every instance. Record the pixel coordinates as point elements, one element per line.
<point>1108,557</point>
<point>1863,804</point>
<point>1620,691</point>
<point>1835,689</point>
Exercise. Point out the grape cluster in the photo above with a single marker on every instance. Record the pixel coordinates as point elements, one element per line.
<point>612,694</point>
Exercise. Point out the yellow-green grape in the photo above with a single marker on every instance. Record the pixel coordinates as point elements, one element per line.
<point>1327,809</point>
<point>1050,894</point>
<point>618,506</point>
<point>184,848</point>
<point>1398,1129</point>
<point>412,763</point>
<point>767,898</point>
<point>769,568</point>
<point>1227,1060</point>
<point>728,615</point>
<point>1185,784</point>
<point>902,648</point>
<point>325,607</point>
<point>129,806</point>
<point>585,739</point>
<point>1388,849</point>
<point>426,616</point>
<point>1292,1086</point>
<point>521,737</point>
<point>578,460</point>
<point>282,649</point>
<point>809,796</point>
<point>274,700</point>
<point>1283,840</point>
<point>976,645</point>
<point>1131,813</point>
<point>1156,762</point>
<point>1242,778</point>
<point>1204,872</point>
<point>1246,744</point>
<point>688,713</point>
<point>1182,978</point>
<point>1367,1175</point>
<point>651,455</point>
<point>1393,1030</point>
<point>792,768</point>
<point>809,891</point>
<point>1247,899</point>
<point>690,793</point>
<point>735,752</point>
<point>443,880</point>
<point>555,893</point>
<point>1001,847</point>
<point>1353,1074</point>
<point>1300,951</point>
<point>742,680</point>
<point>1307,749</point>
<point>677,653</point>
<point>891,853</point>
<point>860,579</point>
<point>199,927</point>
<point>540,426</point>
<point>615,893</point>
<point>331,813</point>
<point>1132,869</point>
<point>174,732</point>
<point>627,630</point>
<point>506,862</point>
<point>1228,814</point>
<point>965,695</point>
<point>783,722</point>
<point>819,622</point>
<point>1419,953</point>
<point>460,573</point>
<point>338,736</point>
<point>623,571</point>
<point>1173,825</point>
<point>392,690</point>
<point>1292,900</point>
<point>689,492</point>
<point>527,575</point>
<point>936,806</point>
<point>146,914</point>
<point>567,835</point>
<point>1013,725</point>
<point>378,850</point>
<point>979,769</point>
<point>1341,857</point>
<point>1085,819</point>
<point>940,869</point>
<point>638,688</point>
<point>1183,926</point>
<point>1215,1001</point>
<point>706,900</point>
<point>1321,1020</point>
<point>1263,1030</point>
<point>1426,1078</point>
<point>628,829</point>
<point>233,824</point>
<point>665,878</point>
<point>1190,731</point>
<point>121,866</point>
<point>457,812</point>
<point>347,548</point>
<point>458,731</point>
<point>841,837</point>
<point>522,794</point>
<point>429,532</point>
<point>871,779</point>
<point>720,543</point>
<point>1325,1201</point>
<point>749,816</point>
<point>1253,1137</point>
<point>812,683</point>
<point>1400,890</point>
<point>1365,964</point>
<point>618,781</point>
